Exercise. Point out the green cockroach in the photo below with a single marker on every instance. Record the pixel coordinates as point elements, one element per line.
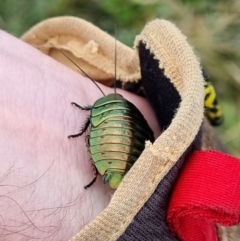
<point>117,135</point>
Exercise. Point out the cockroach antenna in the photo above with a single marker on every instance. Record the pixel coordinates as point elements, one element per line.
<point>79,68</point>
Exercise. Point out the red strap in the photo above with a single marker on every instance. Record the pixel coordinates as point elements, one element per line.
<point>207,192</point>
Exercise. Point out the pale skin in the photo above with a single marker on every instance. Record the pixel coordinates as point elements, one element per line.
<point>43,172</point>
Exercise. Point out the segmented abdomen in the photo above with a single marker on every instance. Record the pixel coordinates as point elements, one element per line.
<point>117,136</point>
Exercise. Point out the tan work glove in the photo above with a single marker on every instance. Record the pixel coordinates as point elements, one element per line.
<point>172,80</point>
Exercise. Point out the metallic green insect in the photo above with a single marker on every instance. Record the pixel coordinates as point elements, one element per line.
<point>213,110</point>
<point>117,137</point>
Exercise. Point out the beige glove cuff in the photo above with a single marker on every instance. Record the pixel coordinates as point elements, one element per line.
<point>89,47</point>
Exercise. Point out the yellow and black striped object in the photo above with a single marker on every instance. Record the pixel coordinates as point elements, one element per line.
<point>213,110</point>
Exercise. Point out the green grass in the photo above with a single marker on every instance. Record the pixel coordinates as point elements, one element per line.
<point>212,27</point>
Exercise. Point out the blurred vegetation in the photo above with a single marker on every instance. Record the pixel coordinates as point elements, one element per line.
<point>212,27</point>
